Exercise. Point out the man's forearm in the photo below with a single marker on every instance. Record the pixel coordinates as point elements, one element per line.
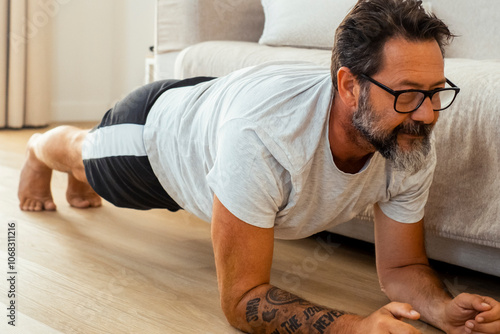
<point>268,309</point>
<point>419,286</point>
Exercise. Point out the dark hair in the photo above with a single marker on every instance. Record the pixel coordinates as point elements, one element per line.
<point>360,38</point>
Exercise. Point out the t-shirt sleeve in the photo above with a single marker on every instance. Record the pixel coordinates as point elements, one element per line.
<point>409,194</point>
<point>246,177</point>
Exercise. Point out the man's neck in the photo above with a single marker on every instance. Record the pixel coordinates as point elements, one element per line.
<point>350,152</point>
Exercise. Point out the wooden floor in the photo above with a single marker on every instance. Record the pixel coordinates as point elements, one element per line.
<point>111,270</point>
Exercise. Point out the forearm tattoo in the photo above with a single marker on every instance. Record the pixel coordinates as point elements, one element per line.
<point>282,312</point>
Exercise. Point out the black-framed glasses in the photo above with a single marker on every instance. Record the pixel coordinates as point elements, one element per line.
<point>409,100</point>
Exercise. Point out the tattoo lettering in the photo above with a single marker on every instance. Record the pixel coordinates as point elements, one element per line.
<point>326,320</point>
<point>311,311</point>
<point>253,310</point>
<point>270,315</point>
<point>291,325</point>
<point>291,313</point>
<point>277,296</point>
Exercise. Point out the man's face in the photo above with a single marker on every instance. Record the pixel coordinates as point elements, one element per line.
<point>372,127</point>
<point>403,139</point>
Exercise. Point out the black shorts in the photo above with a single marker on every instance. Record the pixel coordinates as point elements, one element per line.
<point>116,164</point>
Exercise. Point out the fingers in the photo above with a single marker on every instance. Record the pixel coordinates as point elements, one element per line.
<point>491,312</point>
<point>487,321</point>
<point>473,302</point>
<point>402,310</point>
<point>473,327</point>
<point>387,320</point>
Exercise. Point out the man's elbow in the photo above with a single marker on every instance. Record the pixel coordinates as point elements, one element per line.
<point>231,307</point>
<point>393,280</point>
<point>235,305</point>
<point>230,312</point>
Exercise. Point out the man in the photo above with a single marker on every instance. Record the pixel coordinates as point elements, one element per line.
<point>275,151</point>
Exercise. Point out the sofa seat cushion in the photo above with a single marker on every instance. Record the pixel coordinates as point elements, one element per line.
<point>218,58</point>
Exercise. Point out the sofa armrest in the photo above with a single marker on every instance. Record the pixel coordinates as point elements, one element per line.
<point>181,23</point>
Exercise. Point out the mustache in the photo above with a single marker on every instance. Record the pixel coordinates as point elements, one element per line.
<point>415,129</point>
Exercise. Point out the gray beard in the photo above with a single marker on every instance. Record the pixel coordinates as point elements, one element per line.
<point>369,125</point>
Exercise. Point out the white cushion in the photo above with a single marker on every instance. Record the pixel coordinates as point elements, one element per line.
<point>303,23</point>
<point>218,58</point>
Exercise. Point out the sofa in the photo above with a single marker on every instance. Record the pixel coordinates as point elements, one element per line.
<point>462,224</point>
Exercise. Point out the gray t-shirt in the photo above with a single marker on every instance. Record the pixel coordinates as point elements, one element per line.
<point>258,139</point>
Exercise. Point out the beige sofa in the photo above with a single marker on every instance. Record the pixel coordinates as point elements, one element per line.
<point>215,37</point>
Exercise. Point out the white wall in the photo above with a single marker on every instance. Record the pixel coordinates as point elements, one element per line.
<point>99,47</point>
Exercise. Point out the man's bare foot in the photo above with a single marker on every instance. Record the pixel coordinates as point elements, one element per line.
<point>34,185</point>
<point>81,195</point>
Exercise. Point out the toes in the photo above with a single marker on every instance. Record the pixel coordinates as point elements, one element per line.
<point>95,202</point>
<point>38,206</point>
<point>49,205</point>
<point>24,205</point>
<point>27,205</point>
<point>85,202</point>
<point>79,202</point>
<point>34,205</point>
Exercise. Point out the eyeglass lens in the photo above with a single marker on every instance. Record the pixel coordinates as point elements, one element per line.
<point>410,101</point>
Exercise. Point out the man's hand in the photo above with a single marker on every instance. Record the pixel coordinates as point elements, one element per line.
<point>469,313</point>
<point>388,320</point>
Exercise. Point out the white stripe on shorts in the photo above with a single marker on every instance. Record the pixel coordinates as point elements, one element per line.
<point>114,140</point>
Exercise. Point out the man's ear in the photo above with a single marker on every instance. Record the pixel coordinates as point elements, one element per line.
<point>348,87</point>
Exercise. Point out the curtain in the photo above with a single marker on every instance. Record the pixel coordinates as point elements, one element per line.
<point>25,35</point>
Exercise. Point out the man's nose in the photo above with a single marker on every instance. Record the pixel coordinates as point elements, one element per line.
<point>425,113</point>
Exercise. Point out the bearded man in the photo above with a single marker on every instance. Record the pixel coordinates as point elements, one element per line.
<point>286,150</point>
